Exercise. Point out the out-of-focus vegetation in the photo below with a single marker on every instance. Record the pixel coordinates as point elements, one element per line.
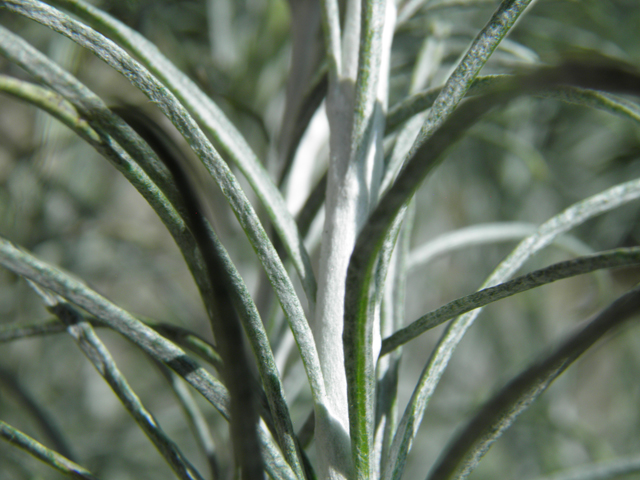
<point>525,163</point>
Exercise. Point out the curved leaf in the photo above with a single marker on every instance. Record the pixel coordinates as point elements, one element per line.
<point>159,348</point>
<point>141,78</point>
<point>178,335</point>
<point>459,82</point>
<point>226,318</point>
<point>89,117</point>
<point>213,120</point>
<point>40,416</point>
<point>475,439</point>
<point>57,106</point>
<point>546,233</point>
<point>422,101</point>
<point>196,419</point>
<point>357,336</point>
<point>464,237</point>
<point>622,257</point>
<point>424,160</point>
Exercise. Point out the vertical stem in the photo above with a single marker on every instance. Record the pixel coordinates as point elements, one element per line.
<point>356,105</point>
<point>331,27</point>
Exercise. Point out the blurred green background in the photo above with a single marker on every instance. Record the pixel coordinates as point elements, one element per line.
<point>526,163</point>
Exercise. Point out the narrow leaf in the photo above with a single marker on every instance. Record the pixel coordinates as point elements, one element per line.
<point>307,81</point>
<point>178,335</point>
<point>387,369</point>
<point>598,471</point>
<point>225,318</point>
<point>465,237</point>
<point>466,450</point>
<point>56,105</point>
<point>546,233</point>
<point>366,155</point>
<point>602,101</point>
<point>213,120</point>
<point>459,82</point>
<point>240,295</point>
<point>227,330</point>
<point>195,417</point>
<point>102,360</point>
<point>409,8</point>
<point>332,40</point>
<point>422,101</point>
<point>31,405</point>
<point>358,323</point>
<point>51,458</point>
<point>108,134</point>
<point>148,84</point>
<point>623,257</point>
<point>159,348</point>
<point>27,57</point>
<point>430,154</point>
<point>77,292</point>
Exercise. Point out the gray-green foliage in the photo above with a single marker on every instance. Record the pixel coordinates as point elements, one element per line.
<point>310,323</point>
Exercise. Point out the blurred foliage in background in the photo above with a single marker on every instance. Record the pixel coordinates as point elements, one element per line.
<point>68,206</point>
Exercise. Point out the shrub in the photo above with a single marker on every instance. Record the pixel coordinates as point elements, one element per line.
<point>330,230</point>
